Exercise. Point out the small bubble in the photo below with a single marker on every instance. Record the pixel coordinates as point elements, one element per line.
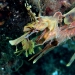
<point>2,29</point>
<point>17,16</point>
<point>55,73</point>
<point>3,35</point>
<point>62,62</point>
<point>14,15</point>
<point>13,19</point>
<point>2,68</point>
<point>7,7</point>
<point>17,11</point>
<point>14,3</point>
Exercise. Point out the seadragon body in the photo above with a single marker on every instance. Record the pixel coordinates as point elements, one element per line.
<point>52,34</point>
<point>65,34</point>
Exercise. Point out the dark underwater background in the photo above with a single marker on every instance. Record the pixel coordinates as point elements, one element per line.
<point>13,17</point>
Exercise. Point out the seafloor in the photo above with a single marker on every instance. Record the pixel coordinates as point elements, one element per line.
<point>13,17</point>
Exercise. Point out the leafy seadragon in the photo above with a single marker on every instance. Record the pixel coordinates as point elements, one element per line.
<point>52,34</point>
